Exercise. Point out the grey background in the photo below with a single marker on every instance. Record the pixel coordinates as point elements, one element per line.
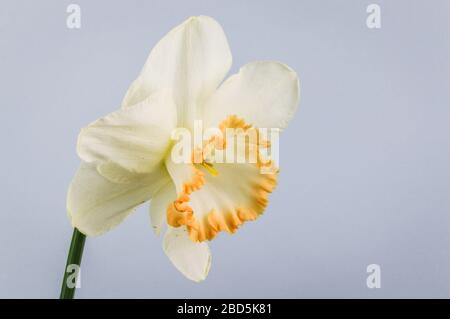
<point>365,162</point>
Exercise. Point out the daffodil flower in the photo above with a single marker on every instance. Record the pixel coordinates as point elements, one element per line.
<point>126,155</point>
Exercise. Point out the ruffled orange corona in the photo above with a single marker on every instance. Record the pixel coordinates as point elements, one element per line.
<point>209,224</point>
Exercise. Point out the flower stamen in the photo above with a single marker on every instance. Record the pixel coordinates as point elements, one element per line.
<point>210,168</point>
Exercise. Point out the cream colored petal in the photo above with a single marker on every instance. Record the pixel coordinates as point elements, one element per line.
<point>265,94</point>
<point>158,206</point>
<point>95,204</point>
<point>135,139</point>
<point>193,260</point>
<point>190,61</point>
<point>117,174</point>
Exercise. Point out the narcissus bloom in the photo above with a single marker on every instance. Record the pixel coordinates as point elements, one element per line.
<point>127,156</point>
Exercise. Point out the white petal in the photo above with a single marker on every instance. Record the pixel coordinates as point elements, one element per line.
<point>192,259</point>
<point>190,61</point>
<point>95,204</point>
<point>116,173</point>
<point>264,93</point>
<point>135,138</point>
<point>158,206</point>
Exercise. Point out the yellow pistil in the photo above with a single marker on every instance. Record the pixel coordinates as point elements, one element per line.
<point>210,168</point>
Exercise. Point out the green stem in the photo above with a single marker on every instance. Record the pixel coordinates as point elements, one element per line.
<point>74,258</point>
